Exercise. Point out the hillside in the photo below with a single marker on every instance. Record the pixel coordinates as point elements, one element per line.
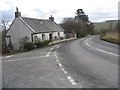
<point>105,25</point>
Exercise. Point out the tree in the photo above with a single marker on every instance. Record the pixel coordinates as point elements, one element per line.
<point>80,24</point>
<point>81,16</point>
<point>83,20</point>
<point>4,27</point>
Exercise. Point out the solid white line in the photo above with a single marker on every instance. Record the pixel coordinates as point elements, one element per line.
<point>99,49</point>
<point>71,80</point>
<point>15,60</point>
<point>22,59</point>
<point>107,52</point>
<point>8,56</point>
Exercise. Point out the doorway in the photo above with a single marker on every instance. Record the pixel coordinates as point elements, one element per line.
<point>50,37</point>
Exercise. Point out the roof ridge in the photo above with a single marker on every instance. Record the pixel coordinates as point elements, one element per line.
<point>34,18</point>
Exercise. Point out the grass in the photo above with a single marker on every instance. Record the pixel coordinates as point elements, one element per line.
<point>111,37</point>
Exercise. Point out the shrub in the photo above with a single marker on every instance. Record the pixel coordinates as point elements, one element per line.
<point>46,42</point>
<point>42,44</point>
<point>81,35</point>
<point>38,44</point>
<point>61,38</point>
<point>28,46</point>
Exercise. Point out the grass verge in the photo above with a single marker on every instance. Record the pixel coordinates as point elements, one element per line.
<point>110,39</point>
<point>22,51</point>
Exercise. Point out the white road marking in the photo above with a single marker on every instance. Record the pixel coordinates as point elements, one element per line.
<point>59,45</point>
<point>64,70</point>
<point>71,80</point>
<point>98,48</point>
<point>21,59</point>
<point>57,60</point>
<point>8,56</point>
<point>51,48</point>
<point>60,65</point>
<point>56,57</point>
<point>87,44</point>
<point>48,54</point>
<point>106,52</point>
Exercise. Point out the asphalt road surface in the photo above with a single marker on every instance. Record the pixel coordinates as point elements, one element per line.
<point>83,63</point>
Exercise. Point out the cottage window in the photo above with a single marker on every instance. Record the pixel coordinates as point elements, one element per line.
<point>58,34</point>
<point>43,37</point>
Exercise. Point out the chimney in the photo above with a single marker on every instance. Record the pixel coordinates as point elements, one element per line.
<point>17,13</point>
<point>51,18</point>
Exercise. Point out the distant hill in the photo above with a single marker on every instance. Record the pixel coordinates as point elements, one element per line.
<point>105,25</point>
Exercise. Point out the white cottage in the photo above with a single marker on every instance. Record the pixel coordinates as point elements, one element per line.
<point>32,30</point>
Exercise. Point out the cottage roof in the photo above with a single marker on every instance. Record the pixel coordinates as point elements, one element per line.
<point>42,25</point>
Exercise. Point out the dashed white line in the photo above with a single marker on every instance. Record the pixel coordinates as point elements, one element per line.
<point>48,54</point>
<point>71,80</point>
<point>60,64</point>
<point>87,43</point>
<point>65,72</point>
<point>57,60</point>
<point>59,45</point>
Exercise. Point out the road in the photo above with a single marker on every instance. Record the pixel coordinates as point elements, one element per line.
<point>83,63</point>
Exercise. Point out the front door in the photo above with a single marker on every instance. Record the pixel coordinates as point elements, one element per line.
<point>50,37</point>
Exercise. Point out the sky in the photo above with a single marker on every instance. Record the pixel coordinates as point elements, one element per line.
<point>97,10</point>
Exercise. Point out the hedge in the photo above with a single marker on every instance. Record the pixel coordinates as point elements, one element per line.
<point>41,44</point>
<point>28,46</point>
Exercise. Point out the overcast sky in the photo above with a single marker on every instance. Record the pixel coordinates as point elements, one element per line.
<point>97,10</point>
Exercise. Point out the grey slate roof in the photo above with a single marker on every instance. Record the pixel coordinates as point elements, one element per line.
<point>42,25</point>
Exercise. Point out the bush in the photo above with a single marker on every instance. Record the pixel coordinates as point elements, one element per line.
<point>46,42</point>
<point>42,44</point>
<point>81,35</point>
<point>28,46</point>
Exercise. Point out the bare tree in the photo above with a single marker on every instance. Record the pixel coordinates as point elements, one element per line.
<point>4,27</point>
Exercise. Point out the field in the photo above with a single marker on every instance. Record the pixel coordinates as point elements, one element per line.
<point>105,25</point>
